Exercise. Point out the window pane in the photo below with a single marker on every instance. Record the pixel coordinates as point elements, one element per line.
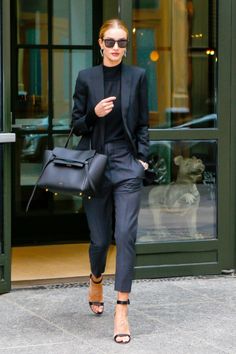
<point>1,198</point>
<point>72,22</point>
<point>32,22</point>
<point>146,4</point>
<point>29,150</point>
<point>175,41</point>
<point>32,98</point>
<point>181,204</point>
<point>68,64</point>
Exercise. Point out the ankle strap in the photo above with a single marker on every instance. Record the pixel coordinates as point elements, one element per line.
<point>119,302</point>
<point>95,282</point>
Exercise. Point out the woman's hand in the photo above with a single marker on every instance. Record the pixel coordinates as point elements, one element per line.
<point>144,164</point>
<point>105,106</point>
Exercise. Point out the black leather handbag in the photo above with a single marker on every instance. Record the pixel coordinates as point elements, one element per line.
<point>75,172</point>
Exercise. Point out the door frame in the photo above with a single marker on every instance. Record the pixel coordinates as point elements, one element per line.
<point>6,139</point>
<point>232,225</point>
<point>216,255</point>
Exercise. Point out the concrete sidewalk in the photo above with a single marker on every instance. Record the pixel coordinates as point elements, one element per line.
<point>168,316</point>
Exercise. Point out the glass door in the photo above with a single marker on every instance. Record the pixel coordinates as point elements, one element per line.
<point>182,219</point>
<point>52,42</point>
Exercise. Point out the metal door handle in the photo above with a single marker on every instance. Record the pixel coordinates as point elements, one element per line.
<point>7,138</point>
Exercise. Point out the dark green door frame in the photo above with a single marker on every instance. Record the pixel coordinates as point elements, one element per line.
<point>6,139</point>
<point>209,256</point>
<point>226,160</point>
<point>5,254</point>
<point>232,137</point>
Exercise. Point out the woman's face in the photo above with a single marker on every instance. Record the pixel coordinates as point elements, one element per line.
<point>112,53</point>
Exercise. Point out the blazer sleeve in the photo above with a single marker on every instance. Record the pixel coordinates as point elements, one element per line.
<point>83,119</point>
<point>142,134</point>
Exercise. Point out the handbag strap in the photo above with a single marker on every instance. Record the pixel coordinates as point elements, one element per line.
<point>36,184</point>
<point>69,136</point>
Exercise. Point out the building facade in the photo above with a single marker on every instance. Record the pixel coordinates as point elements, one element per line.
<point>186,224</point>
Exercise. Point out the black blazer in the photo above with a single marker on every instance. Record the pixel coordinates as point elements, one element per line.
<point>89,90</point>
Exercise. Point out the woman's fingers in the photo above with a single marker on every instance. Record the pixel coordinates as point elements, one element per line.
<point>108,104</point>
<point>108,99</point>
<point>105,106</point>
<point>145,164</point>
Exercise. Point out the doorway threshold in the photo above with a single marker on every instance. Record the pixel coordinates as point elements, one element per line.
<point>58,282</point>
<point>51,264</point>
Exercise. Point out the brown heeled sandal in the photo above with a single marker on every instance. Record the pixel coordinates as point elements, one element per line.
<point>97,293</point>
<point>119,302</point>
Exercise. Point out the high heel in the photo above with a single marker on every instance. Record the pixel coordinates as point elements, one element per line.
<point>97,293</point>
<point>119,302</point>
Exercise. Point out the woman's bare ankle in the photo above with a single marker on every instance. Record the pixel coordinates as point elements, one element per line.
<point>122,296</point>
<point>96,279</point>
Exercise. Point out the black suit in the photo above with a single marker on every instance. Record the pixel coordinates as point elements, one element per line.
<point>89,91</point>
<point>122,182</point>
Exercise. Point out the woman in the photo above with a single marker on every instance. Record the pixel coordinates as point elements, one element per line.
<point>111,111</point>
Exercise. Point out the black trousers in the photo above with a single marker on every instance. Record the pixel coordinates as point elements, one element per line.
<point>120,191</point>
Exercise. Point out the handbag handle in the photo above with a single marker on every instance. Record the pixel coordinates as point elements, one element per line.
<point>69,136</point>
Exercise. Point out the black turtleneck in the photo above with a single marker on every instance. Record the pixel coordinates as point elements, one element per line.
<point>114,128</point>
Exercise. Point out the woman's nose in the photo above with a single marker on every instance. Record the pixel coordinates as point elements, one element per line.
<point>116,45</point>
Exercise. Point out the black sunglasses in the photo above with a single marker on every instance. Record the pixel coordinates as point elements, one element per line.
<point>109,43</point>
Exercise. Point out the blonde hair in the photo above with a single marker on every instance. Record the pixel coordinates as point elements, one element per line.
<point>114,22</point>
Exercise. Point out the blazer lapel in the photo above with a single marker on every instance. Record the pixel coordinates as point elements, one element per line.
<point>125,91</point>
<point>125,99</point>
<point>98,84</point>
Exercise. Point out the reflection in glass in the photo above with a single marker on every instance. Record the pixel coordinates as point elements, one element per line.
<point>33,147</point>
<point>1,198</point>
<point>32,22</point>
<point>146,4</point>
<point>175,41</point>
<point>60,140</point>
<point>72,22</point>
<point>32,98</point>
<point>181,204</point>
<point>68,64</point>
<point>29,150</point>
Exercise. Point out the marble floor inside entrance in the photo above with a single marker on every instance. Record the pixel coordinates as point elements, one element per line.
<point>53,262</point>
